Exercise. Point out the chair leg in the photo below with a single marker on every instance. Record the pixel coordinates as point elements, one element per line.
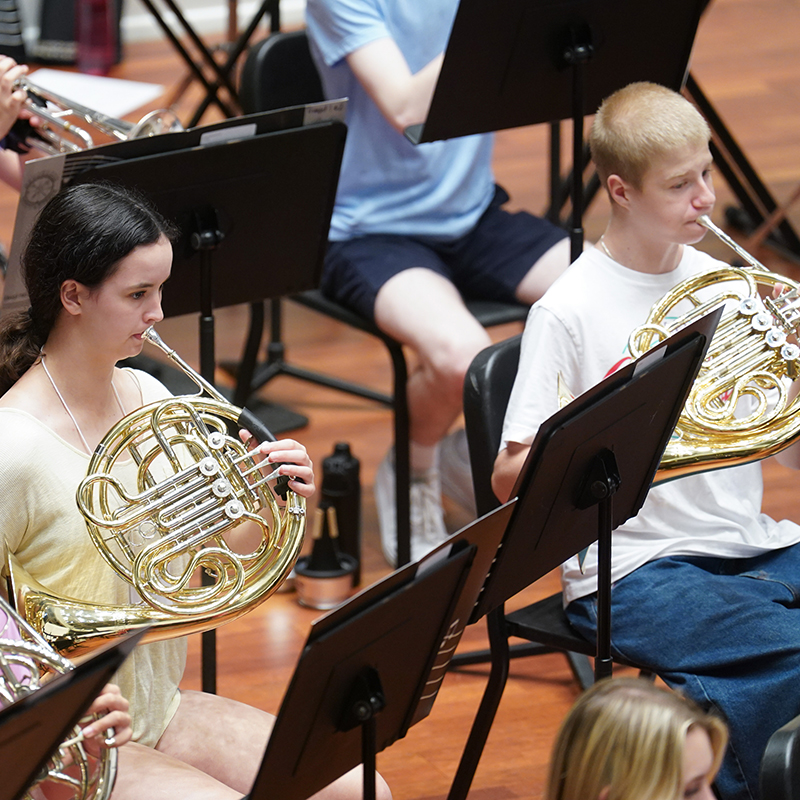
<point>492,694</point>
<point>402,452</point>
<point>485,656</point>
<point>250,378</point>
<point>581,668</point>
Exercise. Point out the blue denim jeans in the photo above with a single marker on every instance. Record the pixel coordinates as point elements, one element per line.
<point>725,632</point>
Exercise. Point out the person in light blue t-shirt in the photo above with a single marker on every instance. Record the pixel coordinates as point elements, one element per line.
<point>415,230</point>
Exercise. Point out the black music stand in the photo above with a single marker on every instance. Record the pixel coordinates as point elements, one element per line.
<point>32,728</point>
<point>358,681</point>
<point>588,471</point>
<point>234,195</point>
<point>372,668</point>
<point>522,62</point>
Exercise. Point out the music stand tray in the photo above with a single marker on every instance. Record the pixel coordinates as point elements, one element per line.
<point>32,728</point>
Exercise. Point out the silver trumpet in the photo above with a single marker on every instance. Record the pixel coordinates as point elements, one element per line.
<point>60,135</point>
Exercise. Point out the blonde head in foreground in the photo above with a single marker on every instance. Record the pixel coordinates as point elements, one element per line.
<point>626,739</point>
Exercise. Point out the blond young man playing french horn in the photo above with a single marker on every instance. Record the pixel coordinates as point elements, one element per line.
<point>705,587</point>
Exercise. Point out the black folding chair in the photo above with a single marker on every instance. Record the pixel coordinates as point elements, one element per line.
<point>780,765</point>
<point>543,625</point>
<point>280,72</point>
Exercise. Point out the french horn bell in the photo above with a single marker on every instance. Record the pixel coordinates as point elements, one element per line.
<point>740,407</point>
<point>190,485</point>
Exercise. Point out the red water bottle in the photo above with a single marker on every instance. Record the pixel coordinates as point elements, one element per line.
<point>95,36</point>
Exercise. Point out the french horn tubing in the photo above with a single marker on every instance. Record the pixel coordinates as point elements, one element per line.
<point>60,135</point>
<point>25,657</point>
<point>190,485</point>
<point>740,408</point>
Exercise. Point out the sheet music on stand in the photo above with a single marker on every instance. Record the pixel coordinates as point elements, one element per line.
<point>44,177</point>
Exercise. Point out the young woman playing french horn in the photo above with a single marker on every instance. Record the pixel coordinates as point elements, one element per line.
<point>94,267</point>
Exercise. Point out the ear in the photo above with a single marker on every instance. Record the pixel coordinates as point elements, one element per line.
<point>73,295</point>
<point>619,190</point>
<point>604,794</point>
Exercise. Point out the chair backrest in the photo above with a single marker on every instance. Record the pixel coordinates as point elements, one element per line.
<point>780,764</point>
<point>279,72</point>
<point>487,388</point>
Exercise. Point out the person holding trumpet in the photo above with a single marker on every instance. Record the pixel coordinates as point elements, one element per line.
<point>12,108</point>
<point>705,587</point>
<point>95,264</point>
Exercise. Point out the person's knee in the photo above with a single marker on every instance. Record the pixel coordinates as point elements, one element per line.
<point>351,787</point>
<point>144,772</point>
<point>382,790</point>
<point>450,378</point>
<point>451,360</point>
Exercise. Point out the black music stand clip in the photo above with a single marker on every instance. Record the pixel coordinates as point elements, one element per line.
<point>366,700</point>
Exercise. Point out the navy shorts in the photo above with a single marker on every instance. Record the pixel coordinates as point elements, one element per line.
<point>487,263</point>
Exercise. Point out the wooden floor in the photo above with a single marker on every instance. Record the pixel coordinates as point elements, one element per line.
<point>747,60</point>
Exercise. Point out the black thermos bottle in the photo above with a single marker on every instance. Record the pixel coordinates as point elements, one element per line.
<point>341,488</point>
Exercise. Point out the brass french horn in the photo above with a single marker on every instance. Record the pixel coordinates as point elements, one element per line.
<point>193,484</point>
<point>24,658</point>
<point>740,408</point>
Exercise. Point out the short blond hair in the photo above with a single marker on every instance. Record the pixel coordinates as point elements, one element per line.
<point>627,735</point>
<point>640,124</point>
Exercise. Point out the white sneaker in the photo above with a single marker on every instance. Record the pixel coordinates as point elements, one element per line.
<point>456,472</point>
<point>427,518</point>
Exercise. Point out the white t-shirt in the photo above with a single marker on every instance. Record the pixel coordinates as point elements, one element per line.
<point>580,328</point>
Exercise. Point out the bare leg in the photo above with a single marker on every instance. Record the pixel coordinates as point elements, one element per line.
<point>226,740</point>
<point>544,272</point>
<point>218,736</point>
<point>425,311</point>
<point>144,772</point>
